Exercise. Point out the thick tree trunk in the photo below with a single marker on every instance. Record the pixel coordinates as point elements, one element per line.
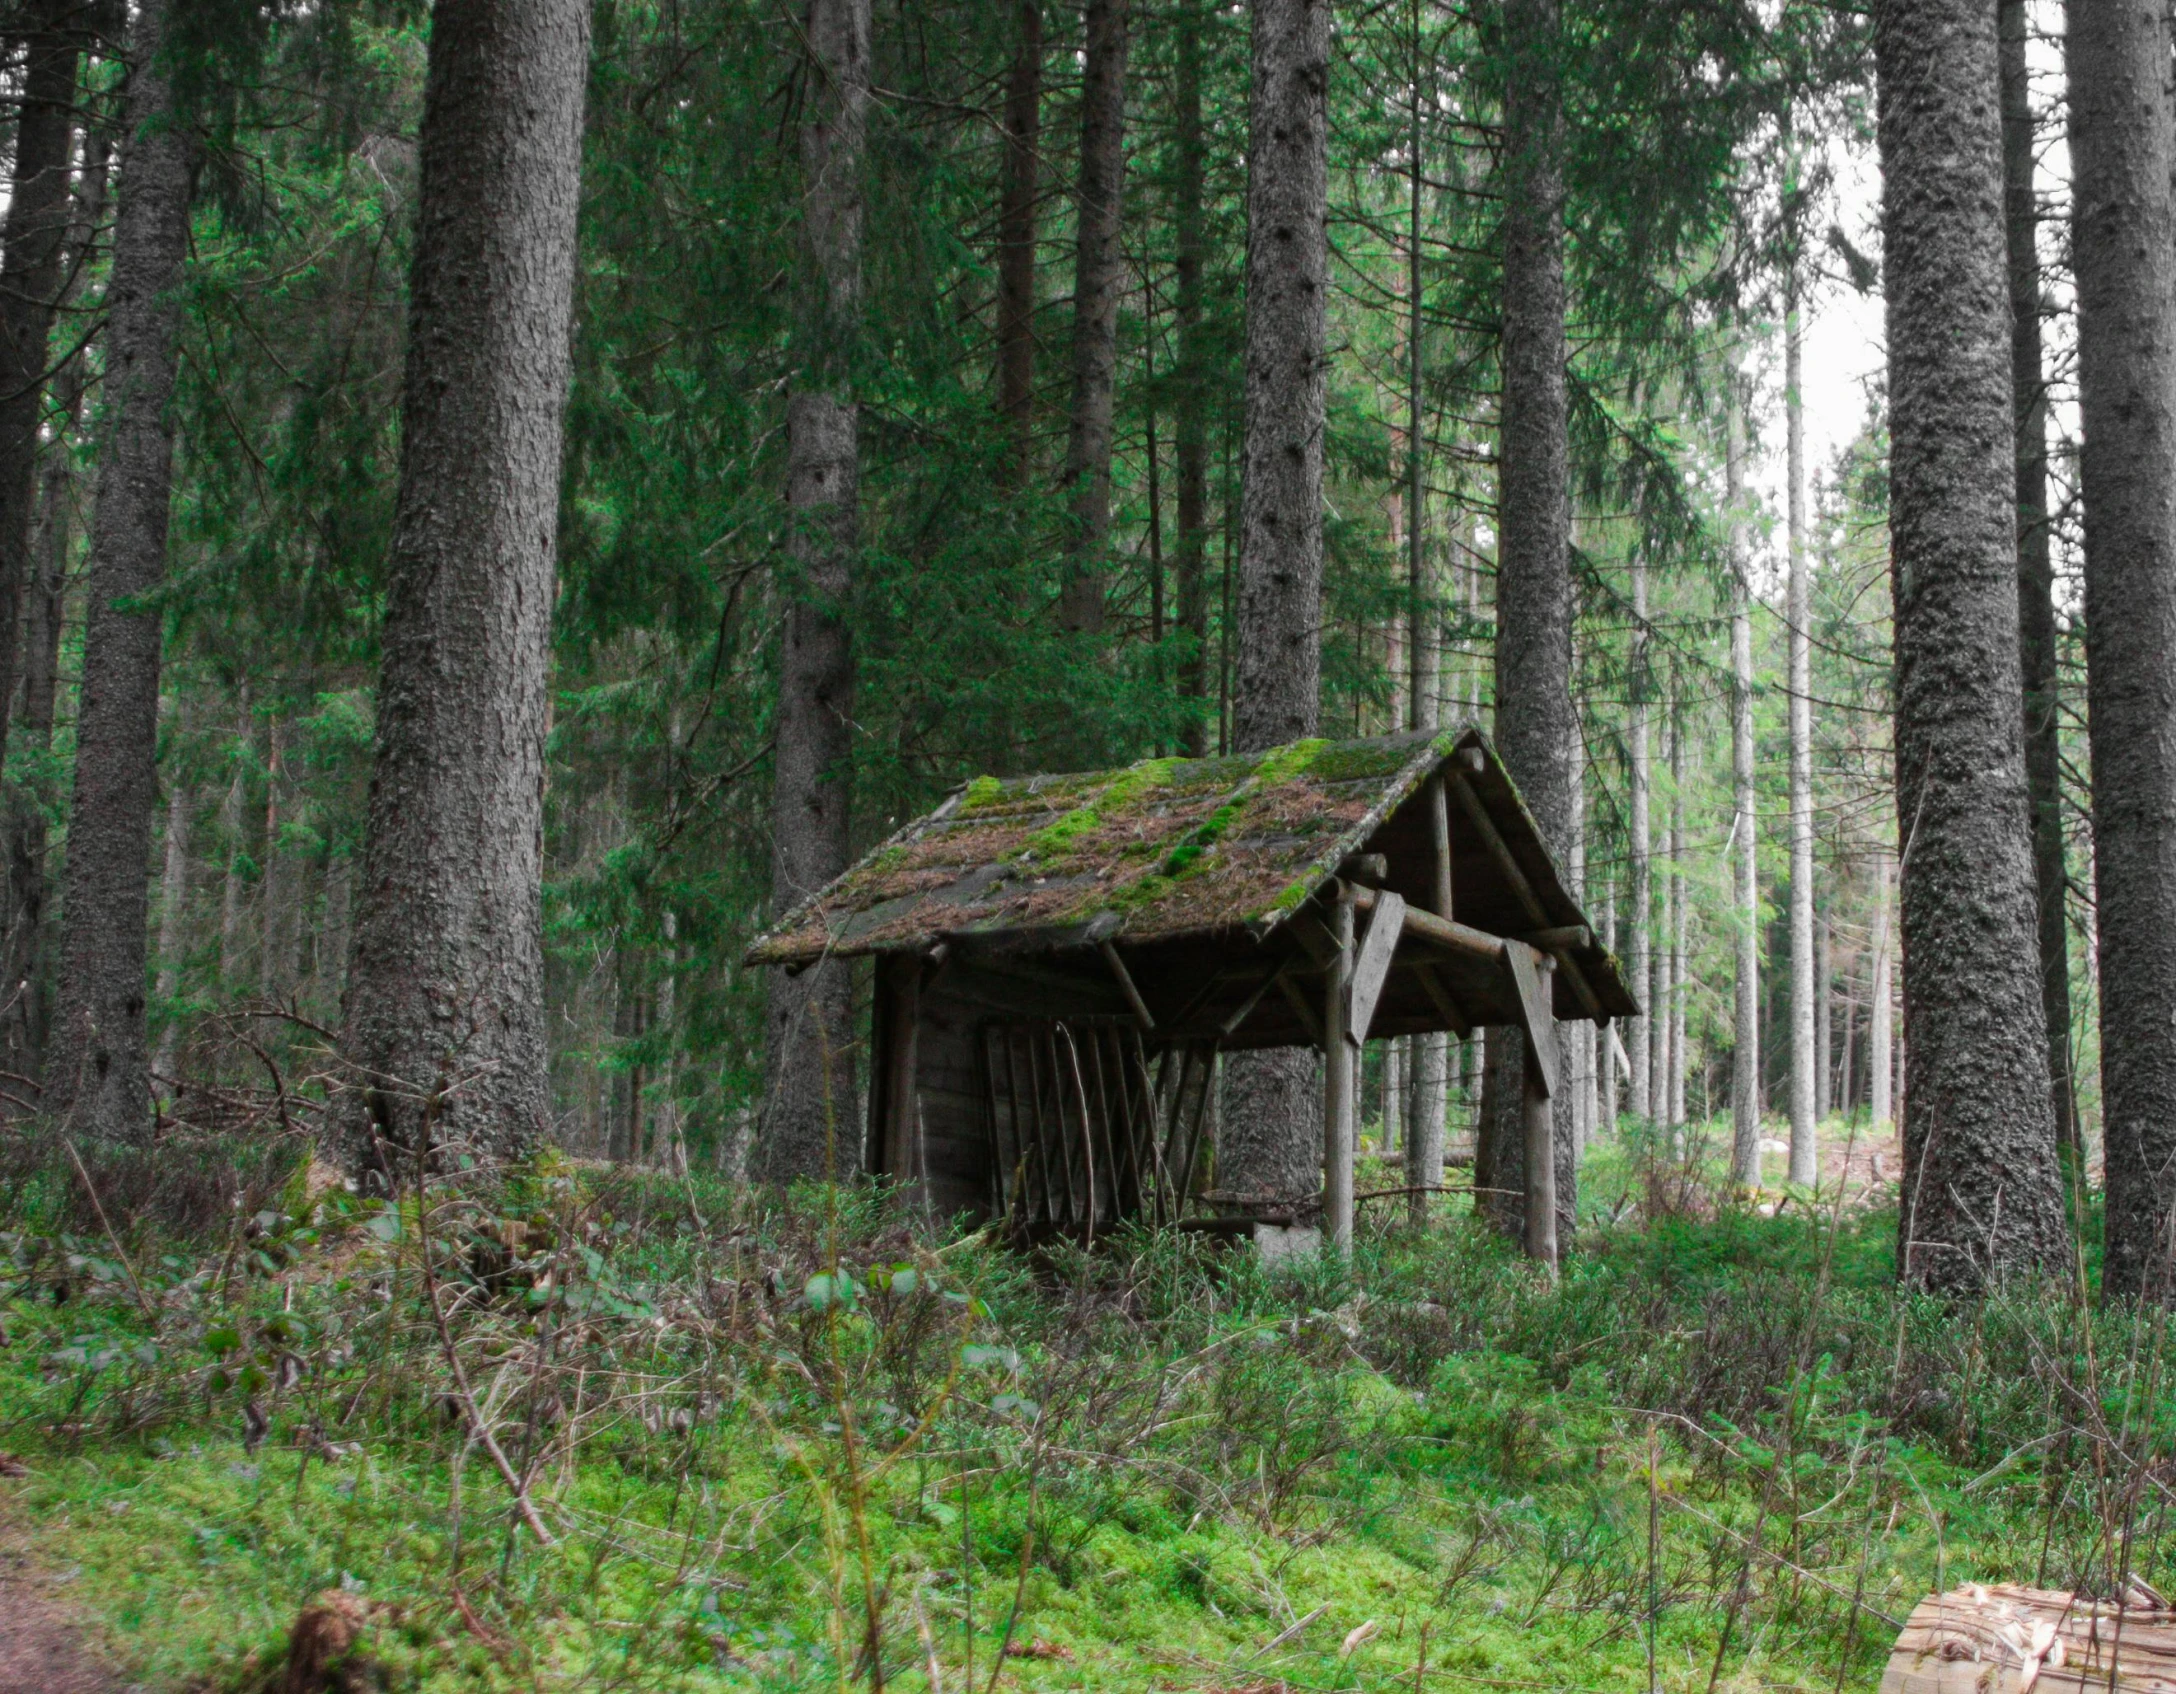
<point>1805,993</point>
<point>31,270</point>
<point>1272,1127</point>
<point>1190,395</point>
<point>2035,563</point>
<point>1537,729</point>
<point>1099,269</point>
<point>29,905</point>
<point>1744,826</point>
<point>808,1129</point>
<point>445,997</point>
<point>1431,1054</point>
<point>2122,149</point>
<point>1982,1191</point>
<point>1018,195</point>
<point>98,1084</point>
<point>1641,826</point>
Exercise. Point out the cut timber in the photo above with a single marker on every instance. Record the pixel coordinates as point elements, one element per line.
<point>1540,1021</point>
<point>1371,965</point>
<point>2002,1640</point>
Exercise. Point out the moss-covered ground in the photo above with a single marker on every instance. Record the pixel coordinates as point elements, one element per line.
<point>819,1446</point>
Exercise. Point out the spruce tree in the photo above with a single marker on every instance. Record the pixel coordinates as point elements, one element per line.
<point>1981,1191</point>
<point>444,1009</point>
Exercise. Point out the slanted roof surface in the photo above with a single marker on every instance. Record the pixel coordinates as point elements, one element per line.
<point>1164,849</point>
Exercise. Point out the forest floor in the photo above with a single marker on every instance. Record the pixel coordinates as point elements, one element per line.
<point>587,1429</point>
<point>44,1644</point>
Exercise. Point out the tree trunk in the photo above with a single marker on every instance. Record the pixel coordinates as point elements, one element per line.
<point>1635,1030</point>
<point>445,1012</point>
<point>31,270</point>
<point>1190,393</point>
<point>1272,1127</point>
<point>2035,565</point>
<point>1982,1190</point>
<point>2122,150</point>
<point>173,914</point>
<point>808,1129</point>
<point>231,892</point>
<point>1881,1008</point>
<point>1805,1001</point>
<point>1680,908</point>
<point>99,1082</point>
<point>1018,195</point>
<point>1606,1040</point>
<point>1537,729</point>
<point>1099,269</point>
<point>278,916</point>
<point>1824,991</point>
<point>1745,823</point>
<point>29,909</point>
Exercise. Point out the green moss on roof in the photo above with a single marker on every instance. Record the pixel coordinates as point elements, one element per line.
<point>1162,847</point>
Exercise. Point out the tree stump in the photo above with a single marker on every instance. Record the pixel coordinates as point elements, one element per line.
<point>1982,1639</point>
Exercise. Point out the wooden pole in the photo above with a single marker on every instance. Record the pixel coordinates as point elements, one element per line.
<point>1540,1117</point>
<point>1338,1071</point>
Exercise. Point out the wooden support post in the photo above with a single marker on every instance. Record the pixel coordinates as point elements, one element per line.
<point>1439,831</point>
<point>1540,1117</point>
<point>1338,1076</point>
<point>902,1104</point>
<point>1141,1013</point>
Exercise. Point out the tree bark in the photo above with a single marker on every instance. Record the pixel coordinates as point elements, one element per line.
<point>2122,148</point>
<point>98,1084</point>
<point>1805,1168</point>
<point>1680,909</point>
<point>29,905</point>
<point>279,901</point>
<point>1745,823</point>
<point>1982,1192</point>
<point>1641,826</point>
<point>1881,1009</point>
<point>31,271</point>
<point>1537,728</point>
<point>1190,393</point>
<point>808,1130</point>
<point>1018,196</point>
<point>1272,1146</point>
<point>2035,564</point>
<point>1099,269</point>
<point>445,1012</point>
<point>1824,990</point>
<point>173,913</point>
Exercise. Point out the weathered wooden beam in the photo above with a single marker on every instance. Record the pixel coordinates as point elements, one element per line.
<point>1425,926</point>
<point>1309,1020</point>
<point>1500,852</point>
<point>1439,841</point>
<point>1539,1118</point>
<point>1537,1020</point>
<point>1371,963</point>
<point>1338,1054</point>
<point>1142,1015</point>
<point>1559,938</point>
<point>1453,1013</point>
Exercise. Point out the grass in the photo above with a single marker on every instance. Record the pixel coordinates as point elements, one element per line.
<point>811,1445</point>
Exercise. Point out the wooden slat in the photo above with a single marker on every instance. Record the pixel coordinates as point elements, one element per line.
<point>2004,1640</point>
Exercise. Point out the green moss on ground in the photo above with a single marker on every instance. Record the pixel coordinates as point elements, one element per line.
<point>1139,1467</point>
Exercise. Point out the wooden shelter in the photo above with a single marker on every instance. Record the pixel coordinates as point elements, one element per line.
<point>1059,959</point>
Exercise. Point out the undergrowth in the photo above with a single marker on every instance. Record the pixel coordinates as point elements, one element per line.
<point>573,1427</point>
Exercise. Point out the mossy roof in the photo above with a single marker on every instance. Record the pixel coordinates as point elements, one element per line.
<point>1151,852</point>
